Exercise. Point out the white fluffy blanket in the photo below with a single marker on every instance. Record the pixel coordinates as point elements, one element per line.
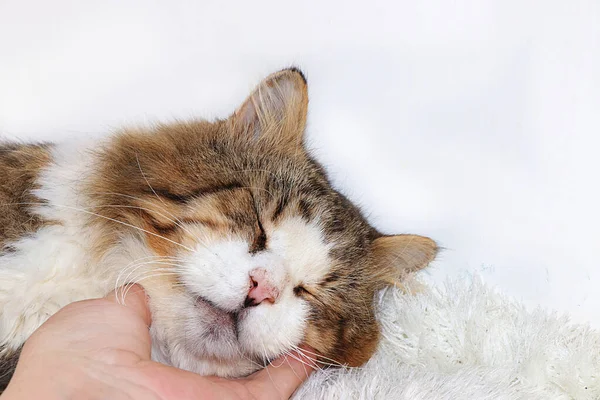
<point>466,341</point>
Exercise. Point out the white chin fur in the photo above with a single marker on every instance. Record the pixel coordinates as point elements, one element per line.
<point>268,330</point>
<point>204,340</point>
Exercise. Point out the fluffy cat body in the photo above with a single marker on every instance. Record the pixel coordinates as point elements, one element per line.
<point>232,228</point>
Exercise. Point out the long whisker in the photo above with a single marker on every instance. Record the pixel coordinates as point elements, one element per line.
<point>132,267</point>
<point>173,218</point>
<point>313,363</point>
<point>136,265</point>
<point>170,217</point>
<point>110,219</point>
<point>138,280</point>
<point>265,358</point>
<point>333,362</point>
<point>304,363</point>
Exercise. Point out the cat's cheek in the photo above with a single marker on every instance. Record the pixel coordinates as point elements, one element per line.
<point>270,329</point>
<point>219,272</point>
<point>194,336</point>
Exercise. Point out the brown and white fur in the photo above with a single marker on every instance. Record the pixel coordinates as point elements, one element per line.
<point>233,229</point>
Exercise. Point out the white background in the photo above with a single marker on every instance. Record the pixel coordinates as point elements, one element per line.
<point>474,122</point>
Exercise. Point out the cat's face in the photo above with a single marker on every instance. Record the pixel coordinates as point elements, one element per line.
<point>260,253</point>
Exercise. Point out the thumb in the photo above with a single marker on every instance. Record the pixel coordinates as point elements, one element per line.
<point>133,297</point>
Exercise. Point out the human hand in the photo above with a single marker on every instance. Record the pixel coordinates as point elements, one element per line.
<point>100,349</point>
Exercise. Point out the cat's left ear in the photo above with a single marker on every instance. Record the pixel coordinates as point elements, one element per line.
<point>396,256</point>
<point>275,112</point>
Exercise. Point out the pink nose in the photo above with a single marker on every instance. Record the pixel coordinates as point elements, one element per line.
<point>260,288</point>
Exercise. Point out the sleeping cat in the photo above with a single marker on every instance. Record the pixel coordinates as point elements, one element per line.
<point>233,229</point>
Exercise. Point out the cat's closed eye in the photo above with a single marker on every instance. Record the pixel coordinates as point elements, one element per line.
<point>260,238</point>
<point>302,291</point>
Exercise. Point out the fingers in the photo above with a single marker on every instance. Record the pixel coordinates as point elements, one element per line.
<point>133,297</point>
<point>283,376</point>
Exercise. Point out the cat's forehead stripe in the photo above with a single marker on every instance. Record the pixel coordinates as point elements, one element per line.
<point>187,197</point>
<point>281,204</point>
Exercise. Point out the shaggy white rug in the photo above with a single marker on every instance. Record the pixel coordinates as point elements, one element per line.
<point>466,341</point>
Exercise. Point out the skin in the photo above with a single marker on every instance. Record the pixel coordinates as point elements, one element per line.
<point>100,349</point>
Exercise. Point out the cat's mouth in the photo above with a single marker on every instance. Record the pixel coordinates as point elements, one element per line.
<point>223,322</point>
<point>222,326</point>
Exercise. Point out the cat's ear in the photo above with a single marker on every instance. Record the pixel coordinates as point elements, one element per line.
<point>275,111</point>
<point>399,255</point>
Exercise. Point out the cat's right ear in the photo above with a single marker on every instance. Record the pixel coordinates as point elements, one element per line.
<point>397,256</point>
<point>275,112</point>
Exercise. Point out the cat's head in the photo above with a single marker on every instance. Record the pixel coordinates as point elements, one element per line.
<point>260,253</point>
